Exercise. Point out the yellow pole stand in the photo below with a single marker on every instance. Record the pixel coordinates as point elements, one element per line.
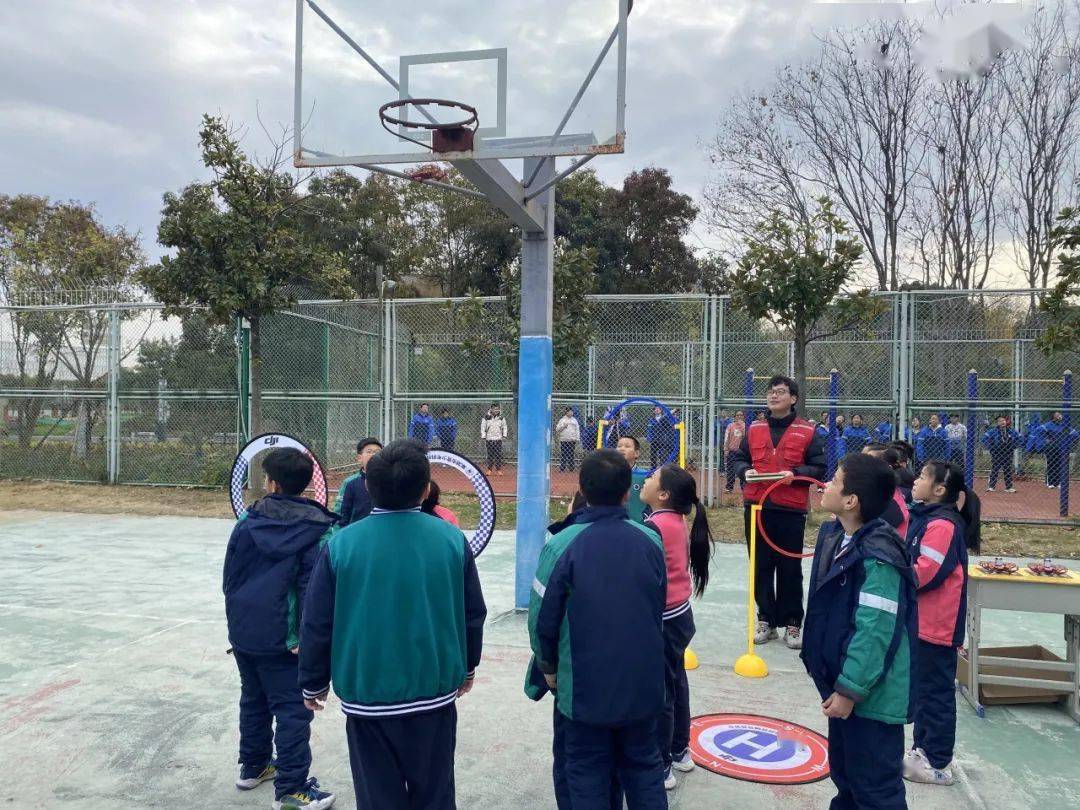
<point>681,427</point>
<point>752,665</point>
<point>600,433</point>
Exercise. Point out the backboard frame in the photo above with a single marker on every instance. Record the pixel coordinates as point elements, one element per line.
<point>557,145</point>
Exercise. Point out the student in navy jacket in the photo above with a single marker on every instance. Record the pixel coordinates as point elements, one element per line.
<point>596,632</point>
<point>268,563</point>
<point>934,441</point>
<point>353,502</point>
<point>1002,442</point>
<point>422,426</point>
<point>1057,439</point>
<point>446,430</point>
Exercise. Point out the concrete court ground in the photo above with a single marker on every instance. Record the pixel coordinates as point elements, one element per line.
<point>115,690</point>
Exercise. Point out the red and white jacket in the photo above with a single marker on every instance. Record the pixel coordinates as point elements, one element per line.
<point>939,555</point>
<point>787,455</point>
<point>671,526</point>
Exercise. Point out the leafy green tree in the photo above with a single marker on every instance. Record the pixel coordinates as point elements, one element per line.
<point>655,220</point>
<point>794,275</point>
<point>1061,334</point>
<point>366,222</point>
<point>49,251</point>
<point>572,315</point>
<point>240,244</point>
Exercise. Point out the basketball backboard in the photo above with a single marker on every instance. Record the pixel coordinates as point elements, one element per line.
<point>546,77</point>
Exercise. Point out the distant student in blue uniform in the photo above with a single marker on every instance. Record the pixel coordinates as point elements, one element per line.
<point>856,436</point>
<point>268,564</point>
<point>353,502</point>
<point>446,430</point>
<point>1057,441</point>
<point>935,441</point>
<point>596,632</point>
<point>422,426</point>
<point>883,432</point>
<point>394,619</point>
<point>1002,442</point>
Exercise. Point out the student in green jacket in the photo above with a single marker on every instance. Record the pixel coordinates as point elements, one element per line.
<point>630,449</point>
<point>394,618</point>
<point>860,635</point>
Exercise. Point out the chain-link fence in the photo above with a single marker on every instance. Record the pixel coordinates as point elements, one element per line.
<point>91,391</point>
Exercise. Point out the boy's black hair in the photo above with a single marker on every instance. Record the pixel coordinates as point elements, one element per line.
<point>1001,416</point>
<point>422,404</point>
<point>445,410</point>
<point>604,479</point>
<point>871,480</point>
<point>903,448</point>
<point>634,439</point>
<point>370,440</point>
<point>289,468</point>
<point>780,379</point>
<point>954,416</point>
<point>398,475</point>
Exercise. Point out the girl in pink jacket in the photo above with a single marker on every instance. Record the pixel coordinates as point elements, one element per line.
<point>944,526</point>
<point>671,492</point>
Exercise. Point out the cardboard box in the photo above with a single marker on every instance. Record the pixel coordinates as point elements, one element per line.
<point>995,694</point>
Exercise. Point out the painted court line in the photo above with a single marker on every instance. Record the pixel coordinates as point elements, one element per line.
<point>106,614</point>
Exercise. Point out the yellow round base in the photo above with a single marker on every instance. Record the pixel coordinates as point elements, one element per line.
<point>751,666</point>
<point>690,660</point>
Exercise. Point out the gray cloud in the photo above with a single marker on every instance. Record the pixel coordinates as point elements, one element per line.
<point>101,101</point>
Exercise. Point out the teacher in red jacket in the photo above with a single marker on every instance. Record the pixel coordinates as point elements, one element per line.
<point>786,444</point>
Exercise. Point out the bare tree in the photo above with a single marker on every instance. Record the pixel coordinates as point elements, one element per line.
<point>859,111</point>
<point>955,221</point>
<point>1043,92</point>
<point>759,169</point>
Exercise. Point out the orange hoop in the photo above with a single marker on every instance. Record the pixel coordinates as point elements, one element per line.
<point>761,523</point>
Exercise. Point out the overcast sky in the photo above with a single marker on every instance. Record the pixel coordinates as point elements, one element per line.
<point>101,101</point>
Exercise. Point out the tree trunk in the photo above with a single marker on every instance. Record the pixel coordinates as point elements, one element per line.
<point>255,413</point>
<point>255,477</point>
<point>82,430</point>
<point>800,369</point>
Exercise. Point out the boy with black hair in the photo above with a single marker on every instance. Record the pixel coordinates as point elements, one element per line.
<point>398,669</point>
<point>268,564</point>
<point>353,502</point>
<point>861,630</point>
<point>605,577</point>
<point>630,449</point>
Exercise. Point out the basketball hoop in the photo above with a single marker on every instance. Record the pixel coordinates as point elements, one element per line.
<point>455,136</point>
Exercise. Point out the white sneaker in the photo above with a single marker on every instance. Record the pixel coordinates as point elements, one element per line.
<point>912,757</point>
<point>669,780</point>
<point>922,771</point>
<point>684,763</point>
<point>991,489</point>
<point>764,633</point>
<point>793,638</point>
<point>1010,489</point>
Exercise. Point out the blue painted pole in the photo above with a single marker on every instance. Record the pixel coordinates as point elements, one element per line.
<point>830,444</point>
<point>969,450</point>
<point>748,393</point>
<point>534,458</point>
<point>1066,412</point>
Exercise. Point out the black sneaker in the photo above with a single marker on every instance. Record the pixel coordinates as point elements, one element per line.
<point>308,798</point>
<point>251,776</point>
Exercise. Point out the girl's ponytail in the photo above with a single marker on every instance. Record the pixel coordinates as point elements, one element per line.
<point>701,548</point>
